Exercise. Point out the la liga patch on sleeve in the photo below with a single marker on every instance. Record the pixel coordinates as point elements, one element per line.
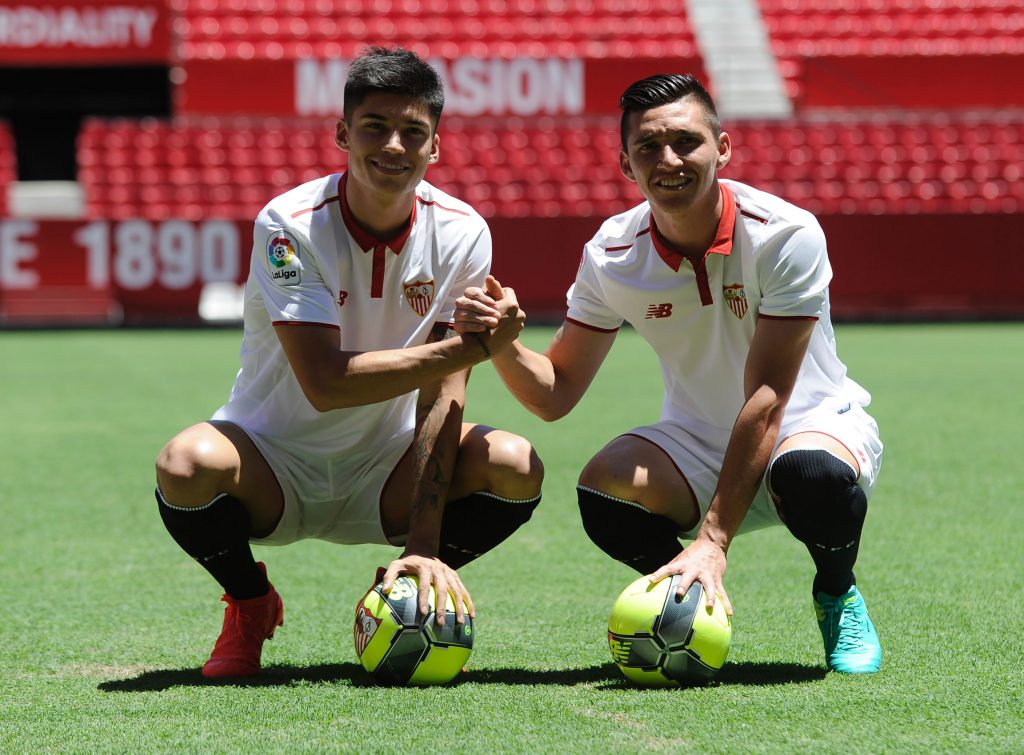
<point>283,256</point>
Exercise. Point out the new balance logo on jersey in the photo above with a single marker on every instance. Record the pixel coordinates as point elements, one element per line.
<point>658,311</point>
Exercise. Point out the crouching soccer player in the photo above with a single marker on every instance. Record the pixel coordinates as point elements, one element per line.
<point>345,420</point>
<point>760,424</point>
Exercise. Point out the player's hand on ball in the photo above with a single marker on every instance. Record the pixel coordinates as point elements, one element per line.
<point>431,571</point>
<point>702,561</point>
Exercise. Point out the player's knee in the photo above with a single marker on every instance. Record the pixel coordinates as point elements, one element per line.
<point>516,470</point>
<point>817,493</point>
<point>611,475</point>
<point>188,466</point>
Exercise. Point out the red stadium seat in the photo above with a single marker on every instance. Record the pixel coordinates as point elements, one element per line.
<point>920,37</point>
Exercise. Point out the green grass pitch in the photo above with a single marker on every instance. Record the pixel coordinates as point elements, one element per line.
<point>104,622</point>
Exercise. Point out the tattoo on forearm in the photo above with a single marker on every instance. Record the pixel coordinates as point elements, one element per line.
<point>431,460</point>
<point>431,485</point>
<point>432,478</point>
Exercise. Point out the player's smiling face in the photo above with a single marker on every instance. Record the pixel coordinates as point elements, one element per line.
<point>673,156</point>
<point>390,142</point>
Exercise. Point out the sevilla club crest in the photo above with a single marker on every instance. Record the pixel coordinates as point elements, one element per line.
<point>736,298</point>
<point>420,295</point>
<point>365,628</point>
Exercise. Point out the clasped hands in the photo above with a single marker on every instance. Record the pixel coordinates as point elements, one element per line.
<point>492,311</point>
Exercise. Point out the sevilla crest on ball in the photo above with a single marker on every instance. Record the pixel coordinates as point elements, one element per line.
<point>366,626</point>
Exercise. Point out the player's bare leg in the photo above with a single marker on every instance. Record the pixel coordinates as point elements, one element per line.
<point>215,491</point>
<point>634,502</point>
<point>211,458</point>
<point>813,479</point>
<point>498,462</point>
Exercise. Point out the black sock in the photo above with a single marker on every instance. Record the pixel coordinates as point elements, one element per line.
<point>217,536</point>
<point>478,523</point>
<point>628,532</point>
<point>824,508</point>
<point>834,568</point>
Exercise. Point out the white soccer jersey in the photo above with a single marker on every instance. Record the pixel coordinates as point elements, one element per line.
<point>313,266</point>
<point>768,260</point>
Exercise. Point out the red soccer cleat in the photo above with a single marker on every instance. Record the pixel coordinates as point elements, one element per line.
<point>247,623</point>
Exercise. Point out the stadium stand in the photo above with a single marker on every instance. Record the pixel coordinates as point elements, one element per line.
<point>552,167</point>
<point>871,27</point>
<point>8,165</point>
<point>293,29</point>
<point>934,163</point>
<point>885,53</point>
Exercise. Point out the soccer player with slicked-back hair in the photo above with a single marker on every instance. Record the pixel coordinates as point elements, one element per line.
<point>345,421</point>
<point>760,424</point>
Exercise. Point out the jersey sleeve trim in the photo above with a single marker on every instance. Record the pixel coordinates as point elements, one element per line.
<point>591,327</point>
<point>314,209</point>
<point>440,206</point>
<point>305,322</point>
<point>787,317</point>
<point>752,216</point>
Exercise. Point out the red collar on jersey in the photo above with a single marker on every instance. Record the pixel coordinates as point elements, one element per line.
<point>723,236</point>
<point>366,240</point>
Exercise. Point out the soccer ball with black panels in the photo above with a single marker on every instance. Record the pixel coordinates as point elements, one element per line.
<point>659,638</point>
<point>399,645</point>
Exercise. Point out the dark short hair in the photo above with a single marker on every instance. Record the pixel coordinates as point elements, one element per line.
<point>393,70</point>
<point>663,89</point>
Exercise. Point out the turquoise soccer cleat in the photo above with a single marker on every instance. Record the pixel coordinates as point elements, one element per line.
<point>851,643</point>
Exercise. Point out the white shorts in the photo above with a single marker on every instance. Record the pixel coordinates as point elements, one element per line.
<point>700,462</point>
<point>337,500</point>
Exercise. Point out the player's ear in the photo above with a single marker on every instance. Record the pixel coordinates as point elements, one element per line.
<point>341,135</point>
<point>625,167</point>
<point>724,150</point>
<point>435,150</point>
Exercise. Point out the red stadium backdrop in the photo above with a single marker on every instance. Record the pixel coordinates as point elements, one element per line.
<point>923,217</point>
<point>969,81</point>
<point>139,272</point>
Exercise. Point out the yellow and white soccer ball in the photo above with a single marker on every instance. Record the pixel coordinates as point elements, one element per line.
<point>661,639</point>
<point>399,645</point>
